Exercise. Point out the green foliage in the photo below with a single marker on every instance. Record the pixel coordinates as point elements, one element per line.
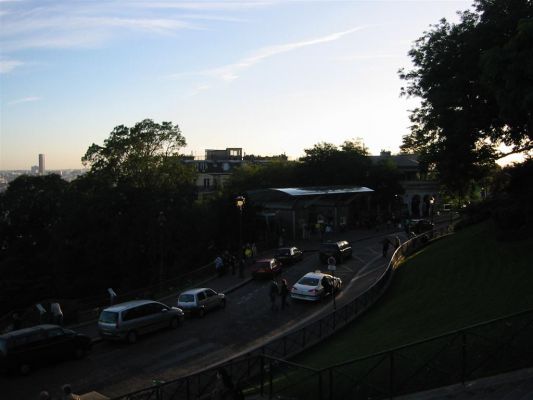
<point>474,80</point>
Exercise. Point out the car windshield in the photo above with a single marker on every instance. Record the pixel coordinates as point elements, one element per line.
<point>329,247</point>
<point>307,281</point>
<point>108,317</point>
<point>186,298</point>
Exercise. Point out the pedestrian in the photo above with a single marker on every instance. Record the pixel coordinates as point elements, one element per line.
<point>385,243</point>
<point>219,265</point>
<point>224,388</point>
<point>284,292</point>
<point>67,393</point>
<point>254,251</point>
<point>57,313</point>
<point>273,293</point>
<point>44,395</point>
<point>397,242</point>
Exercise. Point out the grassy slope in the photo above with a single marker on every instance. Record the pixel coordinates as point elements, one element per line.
<point>455,282</point>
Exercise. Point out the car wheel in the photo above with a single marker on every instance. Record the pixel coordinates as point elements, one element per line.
<point>24,369</point>
<point>131,338</point>
<point>79,353</point>
<point>174,323</point>
<point>223,303</point>
<point>201,312</point>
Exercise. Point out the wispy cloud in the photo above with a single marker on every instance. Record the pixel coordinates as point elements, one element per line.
<point>7,66</point>
<point>28,99</point>
<point>231,72</point>
<point>363,57</point>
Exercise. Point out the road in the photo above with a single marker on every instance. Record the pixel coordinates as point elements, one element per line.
<point>117,368</point>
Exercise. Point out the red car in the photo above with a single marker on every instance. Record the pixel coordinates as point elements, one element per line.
<point>266,268</point>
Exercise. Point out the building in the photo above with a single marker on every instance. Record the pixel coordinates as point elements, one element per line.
<point>421,190</point>
<point>42,168</point>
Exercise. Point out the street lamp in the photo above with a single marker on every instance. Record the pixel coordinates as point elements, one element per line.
<point>431,202</point>
<point>239,202</point>
<point>161,221</point>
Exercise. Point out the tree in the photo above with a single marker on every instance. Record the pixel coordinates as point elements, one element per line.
<point>139,154</point>
<point>474,80</point>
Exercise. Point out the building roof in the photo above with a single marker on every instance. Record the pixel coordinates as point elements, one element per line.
<point>313,191</point>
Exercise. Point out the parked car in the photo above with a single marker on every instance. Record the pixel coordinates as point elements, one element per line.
<point>200,301</point>
<point>419,226</point>
<point>133,318</point>
<point>24,349</point>
<point>314,286</point>
<point>266,268</point>
<point>340,250</point>
<point>289,255</point>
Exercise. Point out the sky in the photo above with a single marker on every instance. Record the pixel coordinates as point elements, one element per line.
<point>270,77</point>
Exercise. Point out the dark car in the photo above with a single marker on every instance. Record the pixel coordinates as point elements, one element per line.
<point>266,268</point>
<point>419,226</point>
<point>24,349</point>
<point>340,250</point>
<point>289,255</point>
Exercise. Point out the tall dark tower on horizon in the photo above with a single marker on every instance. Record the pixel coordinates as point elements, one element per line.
<point>41,164</point>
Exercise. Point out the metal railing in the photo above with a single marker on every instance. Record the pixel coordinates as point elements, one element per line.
<point>249,370</point>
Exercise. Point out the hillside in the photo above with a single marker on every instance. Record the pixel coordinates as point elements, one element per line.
<point>461,280</point>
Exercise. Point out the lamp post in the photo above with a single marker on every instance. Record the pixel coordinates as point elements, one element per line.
<point>161,221</point>
<point>239,202</point>
<point>431,202</point>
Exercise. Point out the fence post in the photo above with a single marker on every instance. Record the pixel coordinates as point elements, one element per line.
<point>391,375</point>
<point>319,385</point>
<point>270,380</point>
<point>262,385</point>
<point>463,357</point>
<point>330,384</point>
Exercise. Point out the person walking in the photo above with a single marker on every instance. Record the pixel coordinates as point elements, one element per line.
<point>67,393</point>
<point>224,388</point>
<point>385,246</point>
<point>273,293</point>
<point>219,265</point>
<point>284,292</point>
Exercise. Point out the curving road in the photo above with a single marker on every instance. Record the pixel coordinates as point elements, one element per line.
<point>117,368</point>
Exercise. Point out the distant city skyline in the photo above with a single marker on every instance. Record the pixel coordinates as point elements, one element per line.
<point>270,77</point>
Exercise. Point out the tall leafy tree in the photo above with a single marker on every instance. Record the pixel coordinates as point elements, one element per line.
<point>475,83</point>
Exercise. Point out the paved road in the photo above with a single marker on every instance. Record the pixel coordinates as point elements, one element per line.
<point>117,368</point>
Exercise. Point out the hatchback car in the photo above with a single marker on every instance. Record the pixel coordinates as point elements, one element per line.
<point>40,345</point>
<point>314,286</point>
<point>289,255</point>
<point>266,268</point>
<point>133,318</point>
<point>200,301</point>
<point>340,250</point>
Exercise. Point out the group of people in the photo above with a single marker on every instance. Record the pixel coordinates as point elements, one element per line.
<point>278,289</point>
<point>227,261</point>
<point>67,394</point>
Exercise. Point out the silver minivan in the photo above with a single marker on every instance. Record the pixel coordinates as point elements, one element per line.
<point>133,318</point>
<point>200,300</point>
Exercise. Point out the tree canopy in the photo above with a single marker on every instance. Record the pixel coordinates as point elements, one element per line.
<point>475,82</point>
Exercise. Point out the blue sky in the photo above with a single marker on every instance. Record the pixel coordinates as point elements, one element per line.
<point>268,76</point>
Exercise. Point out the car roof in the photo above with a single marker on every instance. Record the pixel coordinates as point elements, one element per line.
<point>316,274</point>
<point>262,260</point>
<point>194,291</point>
<point>25,331</point>
<point>128,304</point>
<point>286,248</point>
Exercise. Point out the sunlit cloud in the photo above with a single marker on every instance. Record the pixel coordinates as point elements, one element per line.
<point>7,66</point>
<point>28,99</point>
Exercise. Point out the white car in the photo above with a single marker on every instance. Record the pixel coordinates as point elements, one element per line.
<point>313,286</point>
<point>200,301</point>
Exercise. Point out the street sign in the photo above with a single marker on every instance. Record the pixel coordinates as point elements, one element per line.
<point>332,267</point>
